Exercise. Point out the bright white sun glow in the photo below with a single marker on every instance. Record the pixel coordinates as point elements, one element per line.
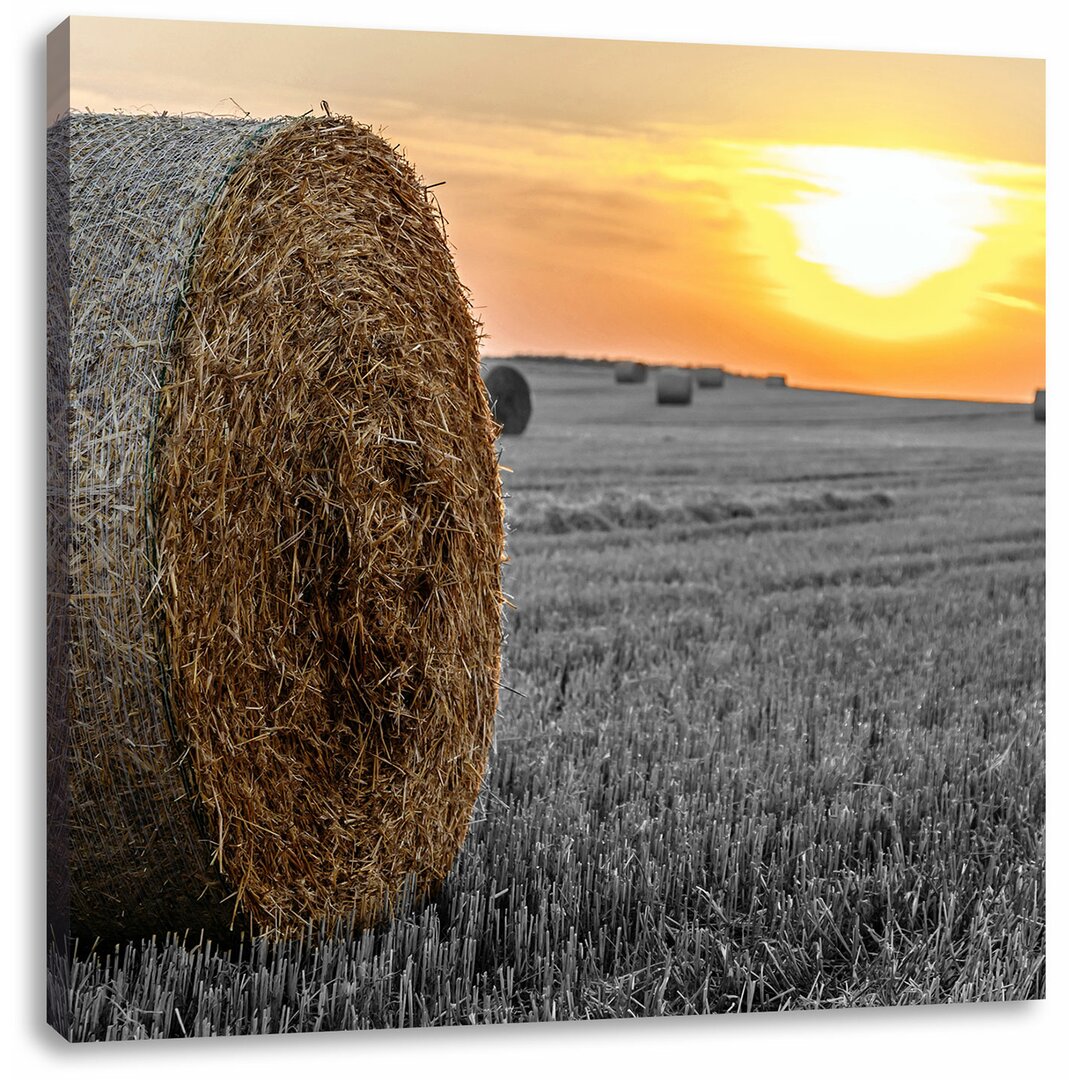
<point>882,221</point>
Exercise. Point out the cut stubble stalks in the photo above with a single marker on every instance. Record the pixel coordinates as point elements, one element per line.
<point>283,622</point>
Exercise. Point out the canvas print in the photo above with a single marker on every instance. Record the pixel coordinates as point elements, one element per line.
<point>539,529</point>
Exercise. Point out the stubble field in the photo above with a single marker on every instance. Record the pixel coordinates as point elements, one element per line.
<point>772,735</point>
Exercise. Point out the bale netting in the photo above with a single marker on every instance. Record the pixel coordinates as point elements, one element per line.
<point>509,398</point>
<point>709,377</point>
<point>1040,406</point>
<point>286,527</point>
<point>674,387</point>
<point>629,371</point>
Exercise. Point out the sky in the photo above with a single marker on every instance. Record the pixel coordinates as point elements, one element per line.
<point>854,220</point>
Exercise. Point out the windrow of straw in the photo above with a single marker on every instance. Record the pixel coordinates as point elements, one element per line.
<point>276,657</point>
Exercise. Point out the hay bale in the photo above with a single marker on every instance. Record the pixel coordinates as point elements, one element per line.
<point>628,371</point>
<point>285,526</point>
<point>674,387</point>
<point>509,398</point>
<point>709,378</point>
<point>774,381</point>
<point>1040,406</point>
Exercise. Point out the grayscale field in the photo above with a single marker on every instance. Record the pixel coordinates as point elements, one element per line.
<point>772,738</point>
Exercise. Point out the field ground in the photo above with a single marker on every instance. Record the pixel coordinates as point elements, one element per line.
<point>773,734</point>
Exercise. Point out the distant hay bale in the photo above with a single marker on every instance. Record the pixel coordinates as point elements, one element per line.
<point>1040,406</point>
<point>773,381</point>
<point>709,378</point>
<point>508,394</point>
<point>674,387</point>
<point>627,371</point>
<point>278,481</point>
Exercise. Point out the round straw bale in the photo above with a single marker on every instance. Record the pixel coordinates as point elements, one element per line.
<point>508,394</point>
<point>775,381</point>
<point>674,386</point>
<point>629,371</point>
<point>286,527</point>
<point>709,377</point>
<point>1040,406</point>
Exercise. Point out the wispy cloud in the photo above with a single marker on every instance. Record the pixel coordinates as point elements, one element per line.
<point>1012,301</point>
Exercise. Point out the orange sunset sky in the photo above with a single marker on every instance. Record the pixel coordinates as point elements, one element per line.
<point>857,220</point>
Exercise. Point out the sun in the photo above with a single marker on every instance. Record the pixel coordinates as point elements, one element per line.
<point>882,221</point>
<point>892,244</point>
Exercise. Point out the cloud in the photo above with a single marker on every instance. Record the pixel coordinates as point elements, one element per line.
<point>1012,301</point>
